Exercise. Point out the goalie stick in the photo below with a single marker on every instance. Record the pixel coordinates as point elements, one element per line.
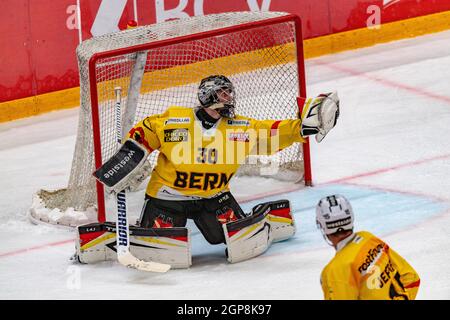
<point>123,234</point>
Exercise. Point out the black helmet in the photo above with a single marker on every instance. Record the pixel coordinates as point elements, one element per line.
<point>217,92</point>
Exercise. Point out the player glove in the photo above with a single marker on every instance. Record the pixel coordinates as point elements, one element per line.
<point>319,115</point>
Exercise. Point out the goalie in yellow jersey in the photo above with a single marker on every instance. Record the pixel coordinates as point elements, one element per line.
<point>200,149</point>
<point>364,267</point>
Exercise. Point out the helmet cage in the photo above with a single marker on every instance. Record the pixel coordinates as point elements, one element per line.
<point>218,93</point>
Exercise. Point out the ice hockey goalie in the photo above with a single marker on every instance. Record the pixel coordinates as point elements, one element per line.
<point>201,148</point>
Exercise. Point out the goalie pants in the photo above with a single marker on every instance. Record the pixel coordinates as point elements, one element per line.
<point>208,214</point>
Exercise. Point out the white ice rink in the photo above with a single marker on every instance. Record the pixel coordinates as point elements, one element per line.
<point>389,154</point>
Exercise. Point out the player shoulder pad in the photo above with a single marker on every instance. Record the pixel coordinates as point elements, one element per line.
<point>176,115</point>
<point>178,111</point>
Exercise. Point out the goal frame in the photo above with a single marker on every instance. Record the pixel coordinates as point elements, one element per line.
<point>101,208</point>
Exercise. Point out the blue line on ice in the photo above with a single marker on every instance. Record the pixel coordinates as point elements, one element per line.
<point>377,211</point>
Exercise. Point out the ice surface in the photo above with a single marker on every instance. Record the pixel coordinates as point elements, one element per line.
<point>389,154</point>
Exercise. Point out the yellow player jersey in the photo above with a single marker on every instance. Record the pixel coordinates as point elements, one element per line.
<point>198,162</point>
<point>366,268</point>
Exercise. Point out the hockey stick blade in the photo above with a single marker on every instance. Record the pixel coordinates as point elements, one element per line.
<point>130,261</point>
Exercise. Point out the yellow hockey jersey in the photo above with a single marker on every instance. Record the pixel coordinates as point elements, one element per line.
<point>198,162</point>
<point>365,268</point>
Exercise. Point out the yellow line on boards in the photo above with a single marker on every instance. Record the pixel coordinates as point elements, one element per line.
<point>329,44</point>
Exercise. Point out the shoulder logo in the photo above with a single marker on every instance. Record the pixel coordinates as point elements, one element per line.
<point>177,121</point>
<point>244,123</point>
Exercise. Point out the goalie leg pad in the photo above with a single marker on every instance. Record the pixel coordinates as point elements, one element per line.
<point>97,242</point>
<point>280,218</point>
<point>253,235</point>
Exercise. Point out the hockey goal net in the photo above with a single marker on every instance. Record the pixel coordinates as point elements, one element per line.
<point>161,65</point>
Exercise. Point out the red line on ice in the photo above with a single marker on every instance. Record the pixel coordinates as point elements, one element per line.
<point>270,193</point>
<point>26,250</point>
<point>392,190</point>
<point>385,82</point>
<point>384,170</point>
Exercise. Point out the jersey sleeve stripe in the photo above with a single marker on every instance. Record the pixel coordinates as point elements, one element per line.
<point>413,285</point>
<point>274,128</point>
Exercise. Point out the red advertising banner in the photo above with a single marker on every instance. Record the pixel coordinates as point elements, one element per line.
<point>38,38</point>
<point>37,48</point>
<point>354,14</point>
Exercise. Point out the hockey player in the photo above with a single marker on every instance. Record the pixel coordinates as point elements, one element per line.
<point>364,266</point>
<point>200,149</point>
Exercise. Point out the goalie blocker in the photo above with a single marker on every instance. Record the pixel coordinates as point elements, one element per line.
<point>245,238</point>
<point>123,170</point>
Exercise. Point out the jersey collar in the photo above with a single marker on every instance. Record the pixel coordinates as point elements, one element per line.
<point>207,132</point>
<point>341,244</point>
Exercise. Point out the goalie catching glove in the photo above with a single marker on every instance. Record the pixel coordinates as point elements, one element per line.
<point>319,115</point>
<point>125,170</point>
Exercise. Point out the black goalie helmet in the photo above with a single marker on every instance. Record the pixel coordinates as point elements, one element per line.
<point>217,92</point>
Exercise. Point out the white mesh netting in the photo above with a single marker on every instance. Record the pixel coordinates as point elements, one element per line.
<point>260,61</point>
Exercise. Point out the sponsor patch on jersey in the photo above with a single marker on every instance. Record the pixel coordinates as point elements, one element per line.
<point>239,136</point>
<point>177,121</point>
<point>373,254</point>
<point>176,135</point>
<point>244,123</point>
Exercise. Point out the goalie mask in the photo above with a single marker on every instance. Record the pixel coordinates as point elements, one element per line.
<point>217,92</point>
<point>333,214</point>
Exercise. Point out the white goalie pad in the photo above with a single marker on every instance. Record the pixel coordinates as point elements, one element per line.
<point>253,235</point>
<point>97,242</point>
